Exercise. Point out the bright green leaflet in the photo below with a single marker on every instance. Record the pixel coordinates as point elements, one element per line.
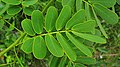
<point>27,45</point>
<point>63,17</point>
<point>28,11</point>
<point>37,21</point>
<point>27,27</point>
<point>106,3</point>
<point>76,18</point>
<point>106,14</point>
<point>12,2</point>
<point>79,5</point>
<point>68,2</point>
<point>90,37</point>
<point>63,62</point>
<point>87,26</point>
<point>14,10</point>
<point>50,18</point>
<point>66,47</point>
<point>85,60</point>
<point>79,65</point>
<point>39,48</point>
<point>29,2</point>
<point>79,45</point>
<point>53,46</point>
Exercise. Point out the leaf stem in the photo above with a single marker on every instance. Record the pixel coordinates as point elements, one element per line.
<point>12,45</point>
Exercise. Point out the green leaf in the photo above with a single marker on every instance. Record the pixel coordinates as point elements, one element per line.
<point>28,11</point>
<point>85,60</point>
<point>66,47</point>
<point>27,45</point>
<point>106,3</point>
<point>106,14</point>
<point>87,26</point>
<point>79,5</point>
<point>50,18</point>
<point>27,27</point>
<point>68,2</point>
<point>63,62</point>
<point>79,45</point>
<point>69,64</point>
<point>39,48</point>
<point>63,17</point>
<point>12,2</point>
<point>76,18</point>
<point>37,21</point>
<point>53,46</point>
<point>14,10</point>
<point>1,24</point>
<point>29,2</point>
<point>90,37</point>
<point>79,65</point>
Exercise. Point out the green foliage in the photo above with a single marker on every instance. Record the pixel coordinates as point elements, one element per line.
<point>58,33</point>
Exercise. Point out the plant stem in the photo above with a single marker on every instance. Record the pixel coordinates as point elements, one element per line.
<point>12,45</point>
<point>47,6</point>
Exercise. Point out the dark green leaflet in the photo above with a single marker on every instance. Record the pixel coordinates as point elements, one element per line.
<point>63,17</point>
<point>106,14</point>
<point>14,10</point>
<point>53,46</point>
<point>90,37</point>
<point>37,21</point>
<point>27,45</point>
<point>78,17</point>
<point>27,3</point>
<point>27,27</point>
<point>50,18</point>
<point>39,48</point>
<point>106,3</point>
<point>12,2</point>
<point>68,50</point>
<point>87,26</point>
<point>79,45</point>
